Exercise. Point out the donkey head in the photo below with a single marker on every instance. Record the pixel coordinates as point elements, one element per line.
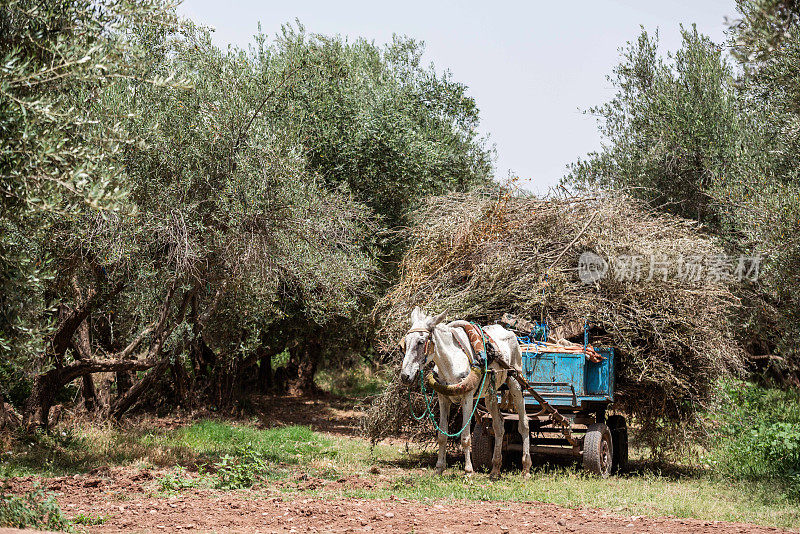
<point>418,343</point>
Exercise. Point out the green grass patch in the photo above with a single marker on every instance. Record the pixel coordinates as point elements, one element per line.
<point>204,442</point>
<point>355,382</point>
<point>89,520</point>
<point>214,439</point>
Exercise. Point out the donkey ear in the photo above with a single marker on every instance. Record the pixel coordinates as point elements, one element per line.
<point>438,319</point>
<point>416,314</point>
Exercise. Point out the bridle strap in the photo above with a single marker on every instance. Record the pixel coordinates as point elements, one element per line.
<point>428,342</point>
<point>420,330</point>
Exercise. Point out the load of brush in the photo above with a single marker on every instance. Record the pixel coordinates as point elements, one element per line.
<point>647,282</point>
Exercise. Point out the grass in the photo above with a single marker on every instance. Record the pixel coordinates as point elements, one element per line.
<point>212,439</point>
<point>650,494</point>
<point>290,455</point>
<point>355,382</point>
<point>35,509</point>
<point>89,519</point>
<point>79,450</point>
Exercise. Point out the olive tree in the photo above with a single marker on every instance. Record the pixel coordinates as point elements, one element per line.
<point>672,130</point>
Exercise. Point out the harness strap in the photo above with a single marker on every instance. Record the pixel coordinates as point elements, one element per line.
<point>478,339</point>
<point>464,349</point>
<point>419,329</point>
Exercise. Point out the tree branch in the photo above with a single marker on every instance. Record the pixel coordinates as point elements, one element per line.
<point>206,315</point>
<point>62,338</point>
<point>127,351</point>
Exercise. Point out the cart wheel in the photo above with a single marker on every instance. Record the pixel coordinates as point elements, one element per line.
<point>597,450</point>
<point>619,436</point>
<point>482,448</point>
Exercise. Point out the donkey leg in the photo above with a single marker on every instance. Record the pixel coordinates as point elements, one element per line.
<point>498,427</point>
<point>444,413</point>
<point>522,426</point>
<point>466,435</point>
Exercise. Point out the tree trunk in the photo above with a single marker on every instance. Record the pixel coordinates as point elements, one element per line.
<point>70,319</point>
<point>103,328</point>
<point>89,393</point>
<point>103,384</point>
<point>46,385</point>
<point>264,371</point>
<point>204,359</point>
<point>305,359</point>
<point>124,381</point>
<point>83,351</point>
<point>181,380</point>
<point>37,407</point>
<point>124,403</point>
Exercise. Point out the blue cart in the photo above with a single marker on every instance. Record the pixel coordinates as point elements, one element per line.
<point>566,397</point>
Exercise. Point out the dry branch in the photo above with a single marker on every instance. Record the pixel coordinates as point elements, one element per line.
<point>482,254</point>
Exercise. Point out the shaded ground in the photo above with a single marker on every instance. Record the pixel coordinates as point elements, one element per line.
<point>330,414</point>
<point>123,499</point>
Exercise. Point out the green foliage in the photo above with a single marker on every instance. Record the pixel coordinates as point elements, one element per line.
<point>763,27</point>
<point>763,205</point>
<point>240,470</point>
<point>378,120</point>
<point>672,128</point>
<point>177,480</point>
<point>89,520</point>
<point>224,196</point>
<point>59,149</point>
<point>257,183</point>
<point>697,137</point>
<point>758,436</point>
<point>35,510</point>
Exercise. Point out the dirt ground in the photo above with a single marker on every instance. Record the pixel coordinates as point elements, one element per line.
<point>124,496</point>
<point>205,510</point>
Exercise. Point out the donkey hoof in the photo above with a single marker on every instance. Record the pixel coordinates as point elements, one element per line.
<point>494,475</point>
<point>439,470</point>
<point>526,474</point>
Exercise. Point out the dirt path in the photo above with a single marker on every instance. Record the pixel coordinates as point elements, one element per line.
<point>125,500</point>
<point>204,511</point>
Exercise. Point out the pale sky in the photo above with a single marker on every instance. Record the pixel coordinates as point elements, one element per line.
<point>532,66</point>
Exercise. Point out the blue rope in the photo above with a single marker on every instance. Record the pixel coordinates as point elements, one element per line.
<point>585,334</point>
<point>429,412</point>
<point>411,406</point>
<point>474,405</point>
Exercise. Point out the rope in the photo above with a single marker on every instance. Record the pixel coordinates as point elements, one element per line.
<point>585,334</point>
<point>474,404</point>
<point>429,412</point>
<point>411,407</point>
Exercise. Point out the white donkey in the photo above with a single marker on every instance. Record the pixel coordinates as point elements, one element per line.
<point>450,345</point>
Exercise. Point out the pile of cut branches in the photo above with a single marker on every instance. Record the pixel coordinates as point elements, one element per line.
<point>662,299</point>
